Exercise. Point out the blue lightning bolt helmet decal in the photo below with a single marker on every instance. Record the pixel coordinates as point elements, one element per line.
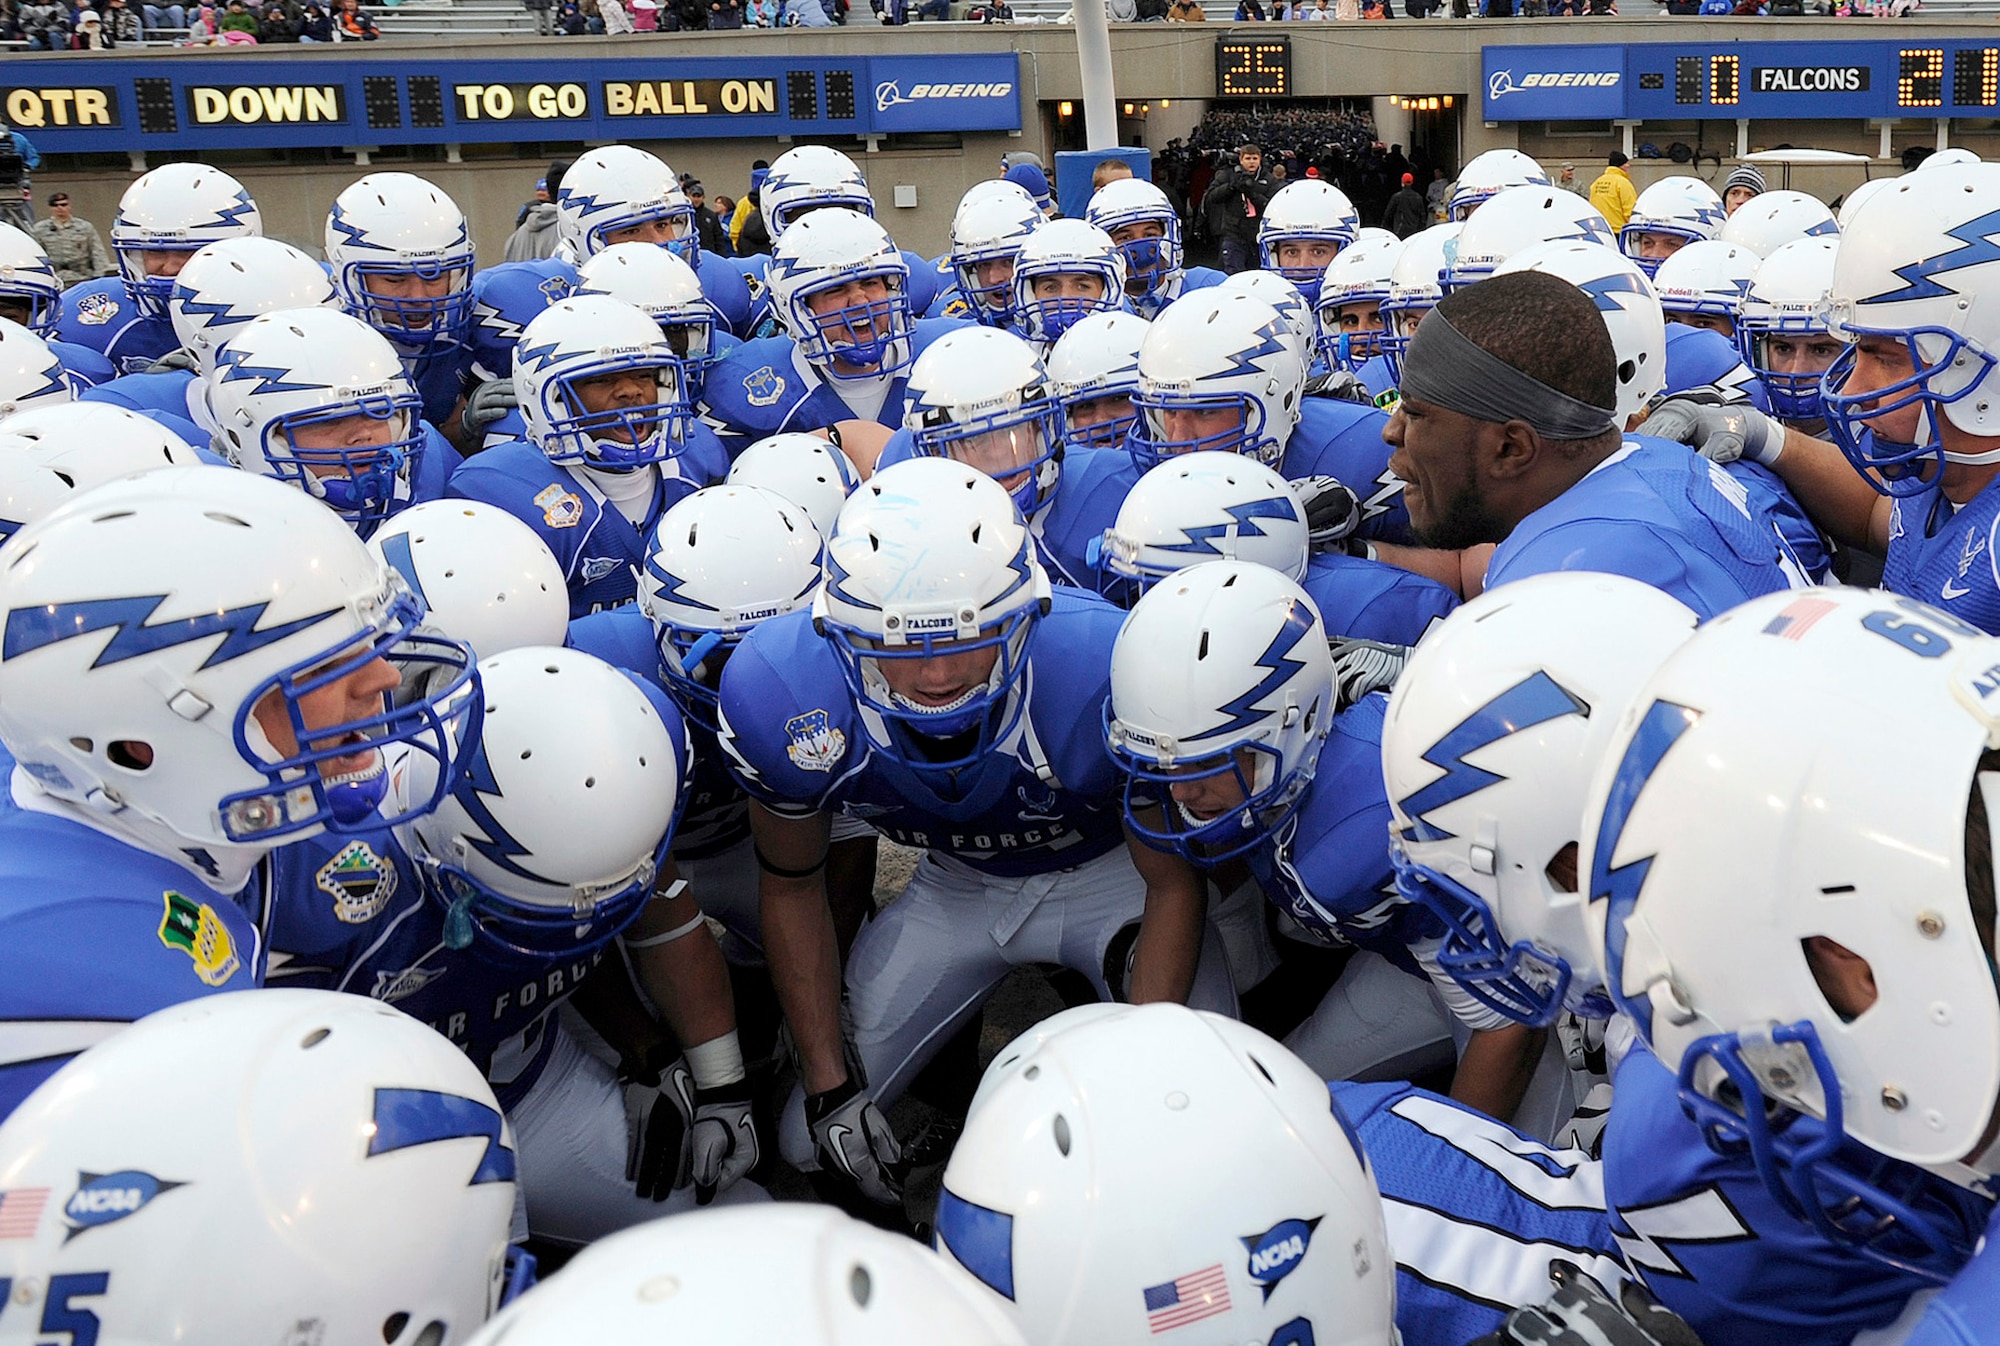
<point>407,1118</point>
<point>1536,699</point>
<point>30,629</point>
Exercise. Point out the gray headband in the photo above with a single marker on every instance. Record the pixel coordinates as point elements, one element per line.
<point>1445,367</point>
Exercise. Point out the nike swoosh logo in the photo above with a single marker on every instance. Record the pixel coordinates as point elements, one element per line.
<point>835,1140</point>
<point>1951,591</point>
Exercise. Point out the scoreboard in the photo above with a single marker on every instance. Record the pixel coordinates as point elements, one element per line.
<point>1726,81</point>
<point>1247,67</point>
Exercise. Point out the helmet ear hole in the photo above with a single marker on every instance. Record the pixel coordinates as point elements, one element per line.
<point>1061,1129</point>
<point>860,1285</point>
<point>1264,1071</point>
<point>131,754</point>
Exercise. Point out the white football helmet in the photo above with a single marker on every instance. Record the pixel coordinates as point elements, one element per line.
<point>1306,211</point>
<point>1222,672</point>
<point>1281,295</point>
<point>930,556</point>
<point>801,468</point>
<point>1153,266</point>
<point>1487,176</point>
<point>1631,311</point>
<point>549,841</point>
<point>31,374</point>
<point>486,578</point>
<point>391,238</point>
<point>175,208</point>
<point>27,278</point>
<point>1769,220</point>
<point>989,229</point>
<point>1493,732</point>
<point>658,283</point>
<point>1787,297</point>
<point>162,610</point>
<point>1761,838</point>
<point>1054,1196</point>
<point>820,1278</point>
<point>287,391</point>
<point>1215,350</point>
<point>1066,248</point>
<point>1201,507</point>
<point>1708,277</point>
<point>1955,157</point>
<point>1360,275</point>
<point>618,187</point>
<point>586,337</point>
<point>806,178</point>
<point>1917,227</point>
<point>722,561</point>
<point>308,1166</point>
<point>1851,203</point>
<point>980,396</point>
<point>1416,283</point>
<point>843,247</point>
<point>50,454</point>
<point>1679,207</point>
<point>226,284</point>
<point>1094,368</point>
<point>1519,218</point>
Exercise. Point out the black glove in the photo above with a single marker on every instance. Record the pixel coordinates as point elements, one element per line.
<point>855,1145</point>
<point>1332,511</point>
<point>487,404</point>
<point>1364,666</point>
<point>659,1113</point>
<point>1582,1313</point>
<point>1340,385</point>
<point>723,1143</point>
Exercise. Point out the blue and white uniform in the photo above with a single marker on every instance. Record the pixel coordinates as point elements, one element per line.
<point>597,546</point>
<point>1344,440</point>
<point>1475,1210</point>
<point>96,932</point>
<point>1658,514</point>
<point>1025,851</point>
<point>99,315</point>
<point>1944,554</point>
<point>1698,357</point>
<point>1712,1242</point>
<point>1967,1312</point>
<point>766,387</point>
<point>1367,600</point>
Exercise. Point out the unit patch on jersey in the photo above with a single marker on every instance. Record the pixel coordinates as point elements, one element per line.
<point>106,1198</point>
<point>764,387</point>
<point>95,310</point>
<point>815,744</point>
<point>1277,1252</point>
<point>393,986</point>
<point>360,883</point>
<point>195,929</point>
<point>560,508</point>
<point>596,568</point>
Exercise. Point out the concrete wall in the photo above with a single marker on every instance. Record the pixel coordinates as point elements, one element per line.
<point>1151,62</point>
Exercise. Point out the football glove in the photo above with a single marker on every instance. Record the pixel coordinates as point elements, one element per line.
<point>855,1144</point>
<point>722,1143</point>
<point>1721,434</point>
<point>487,404</point>
<point>1364,666</point>
<point>659,1114</point>
<point>1582,1313</point>
<point>1332,511</point>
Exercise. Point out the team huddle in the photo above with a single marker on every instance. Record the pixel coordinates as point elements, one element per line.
<point>509,675</point>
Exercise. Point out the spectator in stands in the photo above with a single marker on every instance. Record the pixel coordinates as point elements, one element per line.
<point>1121,11</point>
<point>237,18</point>
<point>275,27</point>
<point>1613,193</point>
<point>934,9</point>
<point>1743,183</point>
<point>570,21</point>
<point>352,23</point>
<point>164,16</point>
<point>545,16</point>
<point>122,27</point>
<point>723,15</point>
<point>43,28</point>
<point>86,28</point>
<point>806,14</point>
<point>1248,10</point>
<point>1186,11</point>
<point>1407,213</point>
<point>315,24</point>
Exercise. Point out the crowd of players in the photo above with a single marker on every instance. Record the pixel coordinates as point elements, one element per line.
<point>504,676</point>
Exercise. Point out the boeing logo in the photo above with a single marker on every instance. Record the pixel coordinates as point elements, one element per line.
<point>890,94</point>
<point>1501,82</point>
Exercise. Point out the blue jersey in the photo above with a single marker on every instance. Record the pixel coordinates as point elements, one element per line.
<point>1367,600</point>
<point>1375,376</point>
<point>1945,555</point>
<point>1712,1242</point>
<point>1967,1312</point>
<point>351,915</point>
<point>85,366</point>
<point>760,389</point>
<point>95,933</point>
<point>441,379</point>
<point>505,299</point>
<point>599,549</point>
<point>1340,439</point>
<point>951,303</point>
<point>167,399</point>
<point>1700,358</point>
<point>926,282</point>
<point>99,315</point>
<point>1328,867</point>
<point>1475,1210</point>
<point>1046,798</point>
<point>1803,541</point>
<point>716,815</point>
<point>1656,513</point>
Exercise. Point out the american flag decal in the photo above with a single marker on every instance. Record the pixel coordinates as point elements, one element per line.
<point>21,1211</point>
<point>1793,622</point>
<point>1187,1299</point>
